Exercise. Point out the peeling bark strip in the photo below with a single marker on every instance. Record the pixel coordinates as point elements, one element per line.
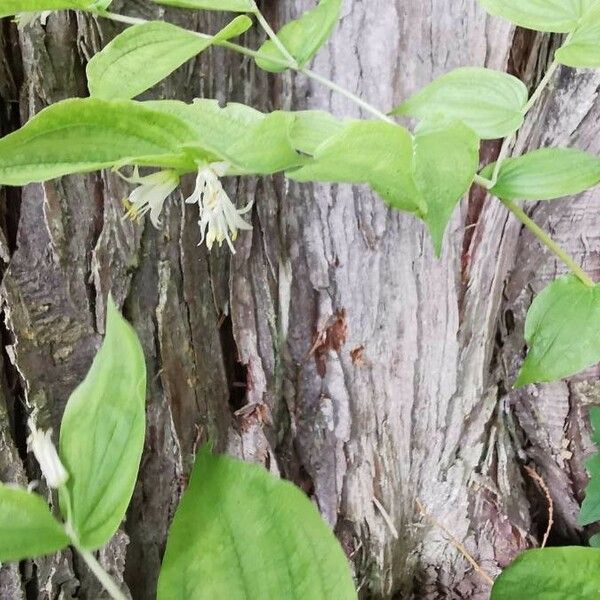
<point>333,348</point>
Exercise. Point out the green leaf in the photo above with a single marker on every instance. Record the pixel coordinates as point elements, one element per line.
<point>545,174</point>
<point>490,102</point>
<point>446,158</point>
<point>561,331</point>
<point>568,573</point>
<point>13,7</point>
<point>145,54</point>
<point>86,134</point>
<point>590,508</point>
<point>102,435</point>
<point>248,139</point>
<point>560,16</point>
<point>372,152</point>
<point>595,541</point>
<point>242,533</point>
<point>583,47</point>
<point>228,5</point>
<point>27,528</point>
<point>302,37</point>
<point>311,128</point>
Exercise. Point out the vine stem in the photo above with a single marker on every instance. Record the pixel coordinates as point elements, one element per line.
<point>288,64</point>
<point>103,577</point>
<point>543,237</point>
<point>273,36</point>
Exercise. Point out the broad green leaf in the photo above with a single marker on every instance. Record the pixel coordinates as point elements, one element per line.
<point>311,128</point>
<point>248,139</point>
<point>13,7</point>
<point>27,528</point>
<point>372,152</point>
<point>302,37</point>
<point>446,158</point>
<point>489,102</point>
<point>590,508</point>
<point>86,134</point>
<point>545,174</point>
<point>561,331</point>
<point>241,533</point>
<point>560,16</point>
<point>227,5</point>
<point>102,435</point>
<point>583,47</point>
<point>567,573</point>
<point>145,54</point>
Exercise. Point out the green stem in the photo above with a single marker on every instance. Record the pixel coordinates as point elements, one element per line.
<point>283,62</point>
<point>545,239</point>
<point>273,36</point>
<point>103,577</point>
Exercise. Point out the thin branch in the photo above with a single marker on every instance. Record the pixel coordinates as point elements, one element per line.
<point>458,545</point>
<point>538,478</point>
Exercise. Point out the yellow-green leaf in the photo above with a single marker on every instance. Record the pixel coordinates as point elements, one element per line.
<point>567,573</point>
<point>240,533</point>
<point>545,174</point>
<point>561,331</point>
<point>27,528</point>
<point>102,435</point>
<point>227,5</point>
<point>490,102</point>
<point>145,54</point>
<point>372,152</point>
<point>560,16</point>
<point>583,47</point>
<point>302,37</point>
<point>86,134</point>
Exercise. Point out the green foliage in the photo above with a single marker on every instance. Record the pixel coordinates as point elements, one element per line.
<point>372,152</point>
<point>27,528</point>
<point>228,5</point>
<point>13,7</point>
<point>86,134</point>
<point>145,54</point>
<point>102,436</point>
<point>446,158</point>
<point>242,533</point>
<point>583,47</point>
<point>489,102</point>
<point>302,37</point>
<point>590,508</point>
<point>561,331</point>
<point>560,16</point>
<point>311,128</point>
<point>569,573</point>
<point>250,140</point>
<point>545,174</point>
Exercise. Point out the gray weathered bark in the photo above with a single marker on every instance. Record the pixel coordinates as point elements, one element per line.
<point>333,347</point>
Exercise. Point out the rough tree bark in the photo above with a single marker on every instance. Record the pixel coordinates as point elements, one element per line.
<point>333,347</point>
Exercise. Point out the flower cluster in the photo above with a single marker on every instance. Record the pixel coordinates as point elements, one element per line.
<point>220,220</point>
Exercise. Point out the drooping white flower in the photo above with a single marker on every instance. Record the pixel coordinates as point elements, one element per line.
<point>220,220</point>
<point>23,19</point>
<point>40,443</point>
<point>151,194</point>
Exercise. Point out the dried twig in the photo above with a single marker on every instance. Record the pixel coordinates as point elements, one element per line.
<point>538,479</point>
<point>458,545</point>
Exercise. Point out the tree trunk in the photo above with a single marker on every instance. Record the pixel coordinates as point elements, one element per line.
<point>333,347</point>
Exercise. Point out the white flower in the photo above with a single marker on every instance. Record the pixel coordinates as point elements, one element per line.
<point>151,194</point>
<point>220,220</point>
<point>40,443</point>
<point>23,19</point>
